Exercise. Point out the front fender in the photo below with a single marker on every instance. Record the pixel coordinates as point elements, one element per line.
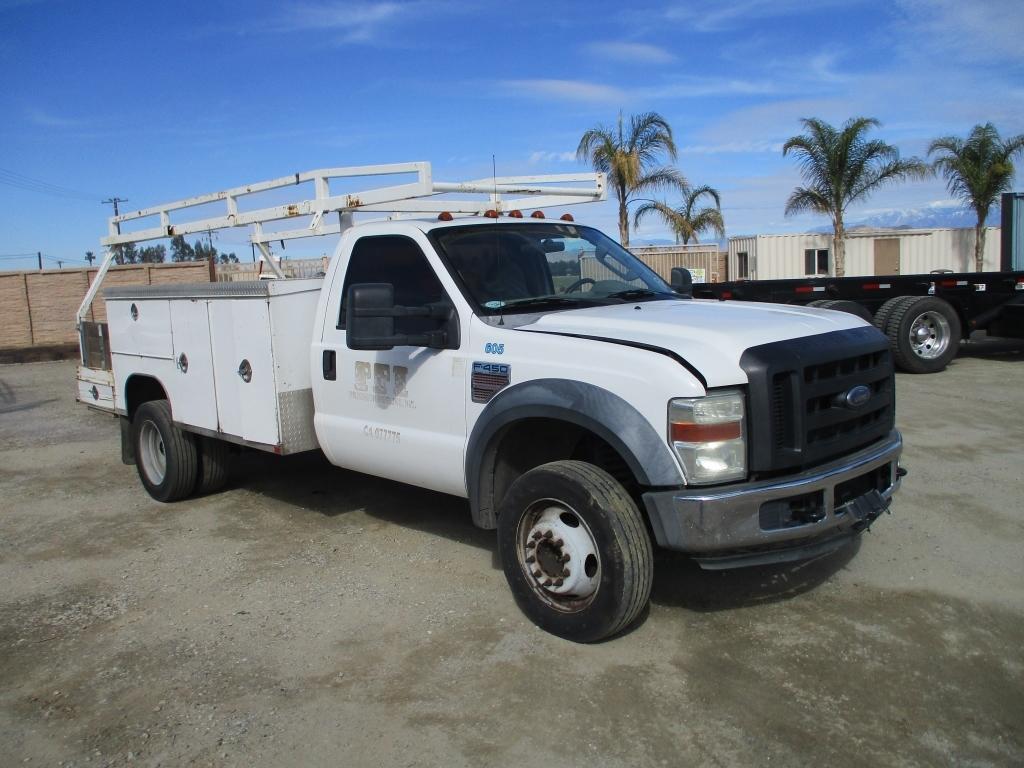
<point>604,413</point>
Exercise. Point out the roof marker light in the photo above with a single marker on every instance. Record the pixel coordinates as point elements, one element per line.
<point>515,214</point>
<point>491,214</point>
<point>444,216</point>
<point>537,215</point>
<point>566,217</point>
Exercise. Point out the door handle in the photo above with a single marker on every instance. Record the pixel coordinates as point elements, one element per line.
<point>330,365</point>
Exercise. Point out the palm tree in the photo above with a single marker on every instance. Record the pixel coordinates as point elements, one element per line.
<point>630,158</point>
<point>978,170</point>
<point>841,167</point>
<point>686,221</point>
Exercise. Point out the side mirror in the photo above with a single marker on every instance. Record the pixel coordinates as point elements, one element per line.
<point>370,314</point>
<point>369,323</point>
<point>682,281</point>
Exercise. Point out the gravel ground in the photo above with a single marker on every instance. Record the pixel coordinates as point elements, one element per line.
<point>313,616</point>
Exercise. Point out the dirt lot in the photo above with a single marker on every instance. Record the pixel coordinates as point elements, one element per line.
<point>312,616</point>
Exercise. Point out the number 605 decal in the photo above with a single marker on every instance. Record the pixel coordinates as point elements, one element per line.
<point>493,348</point>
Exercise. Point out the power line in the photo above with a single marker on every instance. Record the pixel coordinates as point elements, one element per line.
<point>30,184</point>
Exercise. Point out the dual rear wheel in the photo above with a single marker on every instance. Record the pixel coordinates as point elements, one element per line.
<point>172,463</point>
<point>924,332</point>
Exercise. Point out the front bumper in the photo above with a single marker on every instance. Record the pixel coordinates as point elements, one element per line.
<point>780,519</point>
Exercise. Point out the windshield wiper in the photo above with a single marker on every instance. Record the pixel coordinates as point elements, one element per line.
<point>636,293</point>
<point>558,301</point>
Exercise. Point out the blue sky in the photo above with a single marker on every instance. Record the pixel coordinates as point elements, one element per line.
<point>156,101</point>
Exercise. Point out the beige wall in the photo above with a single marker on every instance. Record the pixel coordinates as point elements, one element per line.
<point>39,308</point>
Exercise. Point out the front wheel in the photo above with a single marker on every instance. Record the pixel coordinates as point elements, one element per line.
<point>575,551</point>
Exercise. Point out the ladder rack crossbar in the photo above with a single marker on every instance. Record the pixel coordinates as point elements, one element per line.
<point>401,198</point>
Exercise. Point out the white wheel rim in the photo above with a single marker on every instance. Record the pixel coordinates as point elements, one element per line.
<point>558,555</point>
<point>152,453</point>
<point>929,335</point>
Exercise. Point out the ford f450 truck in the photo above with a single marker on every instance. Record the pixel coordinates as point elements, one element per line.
<point>586,409</point>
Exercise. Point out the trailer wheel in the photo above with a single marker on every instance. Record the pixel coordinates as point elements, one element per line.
<point>165,455</point>
<point>575,551</point>
<point>214,462</point>
<point>924,333</point>
<point>843,305</point>
<point>884,312</point>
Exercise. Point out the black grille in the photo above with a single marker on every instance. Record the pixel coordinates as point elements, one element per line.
<point>798,416</point>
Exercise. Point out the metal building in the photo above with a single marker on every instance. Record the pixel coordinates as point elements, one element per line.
<point>868,252</point>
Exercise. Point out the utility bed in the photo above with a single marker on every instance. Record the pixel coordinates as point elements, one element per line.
<point>233,357</point>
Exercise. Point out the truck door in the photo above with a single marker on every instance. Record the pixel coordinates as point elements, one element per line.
<point>398,413</point>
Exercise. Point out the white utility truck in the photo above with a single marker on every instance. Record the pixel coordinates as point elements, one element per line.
<point>586,409</point>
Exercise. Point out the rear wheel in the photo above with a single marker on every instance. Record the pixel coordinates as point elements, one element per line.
<point>924,333</point>
<point>214,462</point>
<point>575,551</point>
<point>165,456</point>
<point>884,312</point>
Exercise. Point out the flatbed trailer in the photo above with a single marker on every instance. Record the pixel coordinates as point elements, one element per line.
<point>925,316</point>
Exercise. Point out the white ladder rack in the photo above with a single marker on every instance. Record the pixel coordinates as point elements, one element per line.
<point>419,196</point>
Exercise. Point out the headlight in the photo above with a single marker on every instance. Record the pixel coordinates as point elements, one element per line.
<point>709,437</point>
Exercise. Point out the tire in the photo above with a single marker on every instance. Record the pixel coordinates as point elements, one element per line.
<point>214,463</point>
<point>566,513</point>
<point>881,319</point>
<point>165,456</point>
<point>924,333</point>
<point>844,305</point>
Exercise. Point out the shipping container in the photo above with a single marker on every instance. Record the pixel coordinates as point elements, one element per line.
<point>868,252</point>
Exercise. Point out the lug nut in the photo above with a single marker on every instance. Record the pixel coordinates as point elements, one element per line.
<point>548,534</point>
<point>558,542</point>
<point>547,582</point>
<point>537,574</point>
<point>531,544</point>
<point>559,582</point>
<point>531,559</point>
<point>565,557</point>
<point>537,535</point>
<point>565,572</point>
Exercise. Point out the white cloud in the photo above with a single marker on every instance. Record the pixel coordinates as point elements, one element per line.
<point>541,156</point>
<point>975,31</point>
<point>732,147</point>
<point>49,120</point>
<point>572,90</point>
<point>724,15</point>
<point>642,53</point>
<point>356,22</point>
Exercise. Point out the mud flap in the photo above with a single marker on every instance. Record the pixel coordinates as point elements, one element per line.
<point>127,443</point>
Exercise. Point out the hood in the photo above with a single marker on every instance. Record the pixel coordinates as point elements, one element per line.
<point>710,335</point>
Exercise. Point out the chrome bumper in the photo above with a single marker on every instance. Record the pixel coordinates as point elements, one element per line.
<point>709,523</point>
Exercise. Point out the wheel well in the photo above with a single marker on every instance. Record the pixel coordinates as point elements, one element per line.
<point>528,443</point>
<point>139,390</point>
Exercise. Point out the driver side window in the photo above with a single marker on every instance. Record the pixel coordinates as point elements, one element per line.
<point>397,260</point>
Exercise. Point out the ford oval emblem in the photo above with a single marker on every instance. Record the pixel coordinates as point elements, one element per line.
<point>857,396</point>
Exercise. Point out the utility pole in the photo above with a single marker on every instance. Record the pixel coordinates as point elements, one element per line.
<point>114,201</point>
<point>39,256</point>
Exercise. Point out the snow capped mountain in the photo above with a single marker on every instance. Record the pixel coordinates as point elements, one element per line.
<point>938,214</point>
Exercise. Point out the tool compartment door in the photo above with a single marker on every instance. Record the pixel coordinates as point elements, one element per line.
<point>243,365</point>
<point>192,386</point>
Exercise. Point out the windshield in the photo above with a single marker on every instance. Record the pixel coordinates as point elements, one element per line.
<point>505,267</point>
